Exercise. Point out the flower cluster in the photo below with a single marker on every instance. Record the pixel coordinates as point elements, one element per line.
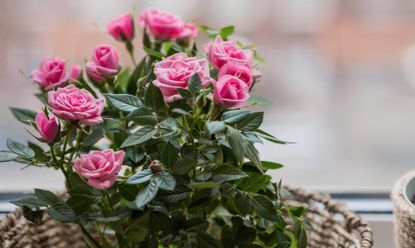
<point>161,154</point>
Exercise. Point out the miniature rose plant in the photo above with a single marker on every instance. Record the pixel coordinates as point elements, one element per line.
<point>162,154</point>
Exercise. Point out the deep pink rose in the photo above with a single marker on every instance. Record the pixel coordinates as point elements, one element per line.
<point>189,31</point>
<point>221,52</point>
<point>100,168</point>
<point>75,72</point>
<point>121,28</point>
<point>230,92</point>
<point>73,104</point>
<point>162,25</point>
<point>104,63</point>
<point>240,71</point>
<point>175,71</point>
<point>47,128</point>
<point>51,73</point>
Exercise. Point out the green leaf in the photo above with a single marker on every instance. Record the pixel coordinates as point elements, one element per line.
<point>121,80</point>
<point>264,207</point>
<point>195,84</point>
<point>153,53</point>
<point>183,166</point>
<point>132,81</point>
<point>254,182</point>
<point>270,137</point>
<point>35,216</point>
<point>215,126</point>
<point>6,156</point>
<point>251,122</point>
<point>271,165</point>
<point>154,98</point>
<point>124,102</point>
<point>225,32</point>
<point>252,154</point>
<point>179,193</point>
<point>165,180</point>
<point>147,193</point>
<point>143,116</point>
<point>62,212</point>
<point>80,203</point>
<point>47,197</point>
<point>139,137</point>
<point>242,203</point>
<point>137,231</point>
<point>31,202</point>
<point>206,241</point>
<point>169,155</point>
<point>140,177</point>
<point>236,142</point>
<point>203,185</point>
<point>184,93</point>
<point>24,115</point>
<point>134,154</point>
<point>234,116</point>
<point>210,32</point>
<point>227,173</point>
<point>20,149</point>
<point>96,134</point>
<point>257,100</point>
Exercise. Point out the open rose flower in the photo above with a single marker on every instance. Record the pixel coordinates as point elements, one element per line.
<point>47,128</point>
<point>240,71</point>
<point>73,104</point>
<point>162,25</point>
<point>175,71</point>
<point>122,28</point>
<point>100,168</point>
<point>51,74</point>
<point>230,92</point>
<point>104,63</point>
<point>221,52</point>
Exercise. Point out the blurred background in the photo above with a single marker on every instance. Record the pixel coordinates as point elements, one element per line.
<point>340,75</point>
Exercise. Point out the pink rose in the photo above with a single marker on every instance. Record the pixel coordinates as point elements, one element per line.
<point>161,25</point>
<point>51,73</point>
<point>175,71</point>
<point>75,72</point>
<point>73,104</point>
<point>99,167</point>
<point>240,71</point>
<point>104,63</point>
<point>221,52</point>
<point>189,31</point>
<point>230,92</point>
<point>121,28</point>
<point>47,128</point>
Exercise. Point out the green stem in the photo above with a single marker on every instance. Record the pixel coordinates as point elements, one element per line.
<point>130,49</point>
<point>88,236</point>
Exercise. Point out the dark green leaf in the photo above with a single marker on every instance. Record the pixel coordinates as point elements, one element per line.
<point>195,84</point>
<point>264,207</point>
<point>203,185</point>
<point>206,241</point>
<point>24,115</point>
<point>124,102</point>
<point>271,165</point>
<point>215,126</point>
<point>31,202</point>
<point>254,182</point>
<point>179,193</point>
<point>80,203</point>
<point>96,134</point>
<point>47,197</point>
<point>153,53</point>
<point>6,156</point>
<point>251,122</point>
<point>270,137</point>
<point>20,149</point>
<point>227,173</point>
<point>140,177</point>
<point>252,154</point>
<point>196,224</point>
<point>236,142</point>
<point>184,93</point>
<point>169,155</point>
<point>243,204</point>
<point>234,116</point>
<point>147,193</point>
<point>132,81</point>
<point>143,116</point>
<point>183,166</point>
<point>139,137</point>
<point>134,154</point>
<point>257,100</point>
<point>121,80</point>
<point>137,231</point>
<point>35,216</point>
<point>62,212</point>
<point>154,98</point>
<point>165,180</point>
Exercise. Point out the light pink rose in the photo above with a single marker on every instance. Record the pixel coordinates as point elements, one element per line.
<point>75,72</point>
<point>73,104</point>
<point>100,168</point>
<point>104,63</point>
<point>189,31</point>
<point>240,71</point>
<point>122,28</point>
<point>47,128</point>
<point>221,52</point>
<point>51,73</point>
<point>230,92</point>
<point>162,25</point>
<point>175,71</point>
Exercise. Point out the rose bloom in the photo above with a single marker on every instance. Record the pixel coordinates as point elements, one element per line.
<point>100,168</point>
<point>175,72</point>
<point>240,71</point>
<point>75,72</point>
<point>221,52</point>
<point>189,31</point>
<point>104,63</point>
<point>47,128</point>
<point>230,92</point>
<point>73,104</point>
<point>121,28</point>
<point>51,74</point>
<point>162,25</point>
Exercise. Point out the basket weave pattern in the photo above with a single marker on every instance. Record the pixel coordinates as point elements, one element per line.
<point>334,226</point>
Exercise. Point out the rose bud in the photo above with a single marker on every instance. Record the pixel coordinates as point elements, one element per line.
<point>47,128</point>
<point>230,92</point>
<point>240,71</point>
<point>104,63</point>
<point>189,31</point>
<point>73,104</point>
<point>221,52</point>
<point>161,25</point>
<point>75,72</point>
<point>51,74</point>
<point>100,168</point>
<point>122,28</point>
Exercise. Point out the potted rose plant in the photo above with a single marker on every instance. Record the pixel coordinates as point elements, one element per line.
<point>160,155</point>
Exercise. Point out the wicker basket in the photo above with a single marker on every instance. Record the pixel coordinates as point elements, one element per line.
<point>333,226</point>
